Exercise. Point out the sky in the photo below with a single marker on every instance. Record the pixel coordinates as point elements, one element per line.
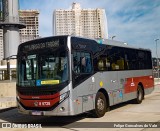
<point>136,22</point>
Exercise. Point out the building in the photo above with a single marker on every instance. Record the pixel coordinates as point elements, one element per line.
<point>1,45</point>
<point>30,19</point>
<point>91,23</point>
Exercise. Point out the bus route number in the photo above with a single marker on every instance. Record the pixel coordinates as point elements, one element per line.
<point>44,104</point>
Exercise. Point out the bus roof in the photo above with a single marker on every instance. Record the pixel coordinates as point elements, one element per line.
<point>99,41</point>
<point>118,43</point>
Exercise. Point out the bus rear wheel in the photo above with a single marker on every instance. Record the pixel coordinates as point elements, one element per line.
<point>100,105</point>
<point>139,96</point>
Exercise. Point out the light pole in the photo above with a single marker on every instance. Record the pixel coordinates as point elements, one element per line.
<point>157,58</point>
<point>113,37</point>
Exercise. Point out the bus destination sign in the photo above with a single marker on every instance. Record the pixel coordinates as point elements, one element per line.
<point>42,45</point>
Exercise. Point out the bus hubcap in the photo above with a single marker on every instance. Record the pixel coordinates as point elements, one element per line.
<point>100,104</point>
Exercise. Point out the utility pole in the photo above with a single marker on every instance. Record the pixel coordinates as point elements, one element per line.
<point>113,37</point>
<point>157,58</point>
<point>10,25</point>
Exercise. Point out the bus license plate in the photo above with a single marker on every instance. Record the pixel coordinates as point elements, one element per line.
<point>37,113</point>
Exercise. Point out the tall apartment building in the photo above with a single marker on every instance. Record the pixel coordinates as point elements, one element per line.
<point>30,19</point>
<point>91,23</point>
<point>1,45</point>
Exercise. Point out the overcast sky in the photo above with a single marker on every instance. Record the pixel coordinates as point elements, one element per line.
<point>136,22</point>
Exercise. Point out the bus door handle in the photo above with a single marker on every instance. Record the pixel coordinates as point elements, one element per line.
<point>113,81</point>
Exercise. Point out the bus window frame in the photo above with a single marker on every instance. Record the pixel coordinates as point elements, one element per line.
<point>84,76</point>
<point>91,58</point>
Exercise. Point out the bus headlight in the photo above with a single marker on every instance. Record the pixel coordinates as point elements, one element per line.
<point>64,96</point>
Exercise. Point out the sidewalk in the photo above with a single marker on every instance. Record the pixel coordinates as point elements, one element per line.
<point>10,102</point>
<point>156,81</point>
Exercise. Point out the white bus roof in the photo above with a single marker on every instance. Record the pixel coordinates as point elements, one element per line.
<point>118,43</point>
<point>98,40</point>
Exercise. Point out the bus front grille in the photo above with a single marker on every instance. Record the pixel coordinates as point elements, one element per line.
<point>37,93</point>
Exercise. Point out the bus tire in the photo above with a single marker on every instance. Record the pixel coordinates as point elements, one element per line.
<point>139,96</point>
<point>100,105</point>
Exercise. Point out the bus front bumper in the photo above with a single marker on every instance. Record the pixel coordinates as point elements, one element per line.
<point>62,109</point>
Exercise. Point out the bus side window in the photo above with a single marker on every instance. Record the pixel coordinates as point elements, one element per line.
<point>120,63</point>
<point>76,63</point>
<point>107,63</point>
<point>100,64</point>
<point>103,63</point>
<point>88,65</point>
<point>82,62</point>
<point>115,66</point>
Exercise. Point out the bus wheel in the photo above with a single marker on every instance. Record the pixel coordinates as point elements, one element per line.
<point>140,96</point>
<point>100,105</point>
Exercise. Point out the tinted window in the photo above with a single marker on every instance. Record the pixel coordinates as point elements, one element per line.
<point>82,62</point>
<point>112,59</point>
<point>119,58</point>
<point>39,68</point>
<point>131,59</point>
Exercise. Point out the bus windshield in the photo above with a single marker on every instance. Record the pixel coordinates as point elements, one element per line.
<point>43,68</point>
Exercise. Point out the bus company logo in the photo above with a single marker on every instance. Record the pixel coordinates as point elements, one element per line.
<point>36,97</point>
<point>36,103</point>
<point>6,125</point>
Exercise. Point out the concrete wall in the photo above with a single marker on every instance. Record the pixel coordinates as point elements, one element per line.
<point>12,62</point>
<point>7,94</point>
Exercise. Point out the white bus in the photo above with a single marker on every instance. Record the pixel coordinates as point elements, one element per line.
<point>68,75</point>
